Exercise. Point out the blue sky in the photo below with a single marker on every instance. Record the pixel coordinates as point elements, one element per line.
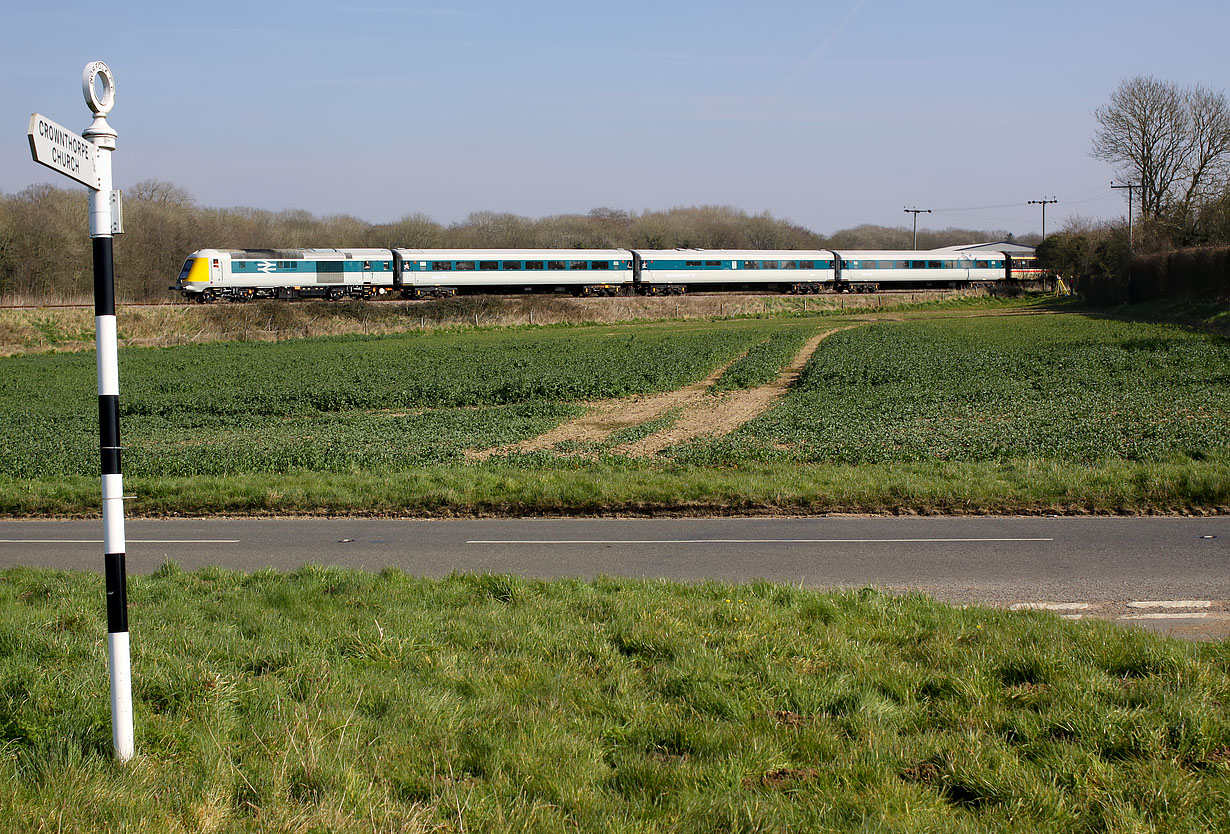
<point>828,113</point>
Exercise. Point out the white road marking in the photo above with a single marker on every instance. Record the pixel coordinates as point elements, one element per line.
<point>129,541</point>
<point>1171,603</point>
<point>1169,615</point>
<point>1048,606</point>
<point>744,541</point>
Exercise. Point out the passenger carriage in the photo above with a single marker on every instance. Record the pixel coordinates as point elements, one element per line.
<point>670,271</point>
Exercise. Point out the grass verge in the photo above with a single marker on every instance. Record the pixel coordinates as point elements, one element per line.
<point>527,485</point>
<point>330,700</point>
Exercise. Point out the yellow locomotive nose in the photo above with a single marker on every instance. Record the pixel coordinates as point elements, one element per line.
<point>194,274</point>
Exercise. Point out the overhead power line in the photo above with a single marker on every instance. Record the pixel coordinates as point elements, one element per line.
<point>979,208</point>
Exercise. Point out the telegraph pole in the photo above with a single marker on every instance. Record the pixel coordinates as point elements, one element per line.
<point>1043,203</point>
<point>916,212</point>
<point>1130,187</point>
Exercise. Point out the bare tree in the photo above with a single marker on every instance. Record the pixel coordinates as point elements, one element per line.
<point>1174,142</point>
<point>1144,131</point>
<point>1206,168</point>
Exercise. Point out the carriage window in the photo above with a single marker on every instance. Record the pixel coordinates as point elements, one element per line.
<point>713,263</point>
<point>768,264</point>
<point>533,264</point>
<point>600,265</point>
<point>807,264</point>
<point>555,264</point>
<point>578,264</point>
<point>691,263</point>
<point>488,264</point>
<point>465,266</point>
<point>367,266</point>
<point>512,264</point>
<point>441,266</point>
<point>751,264</point>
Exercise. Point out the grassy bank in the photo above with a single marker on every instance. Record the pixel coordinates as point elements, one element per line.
<point>41,329</point>
<point>541,485</point>
<point>327,700</point>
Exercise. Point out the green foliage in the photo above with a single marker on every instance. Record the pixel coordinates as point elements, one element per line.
<point>764,361</point>
<point>343,404</point>
<point>1065,388</point>
<point>333,700</point>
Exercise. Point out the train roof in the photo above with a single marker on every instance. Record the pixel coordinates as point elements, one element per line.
<point>911,254</point>
<point>734,254</point>
<point>515,254</point>
<point>296,254</point>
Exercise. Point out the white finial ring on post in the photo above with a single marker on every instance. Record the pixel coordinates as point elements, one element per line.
<point>100,101</point>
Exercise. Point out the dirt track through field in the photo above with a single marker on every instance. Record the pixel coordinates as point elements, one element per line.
<point>704,414</point>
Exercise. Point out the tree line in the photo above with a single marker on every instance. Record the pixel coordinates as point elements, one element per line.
<point>45,250</point>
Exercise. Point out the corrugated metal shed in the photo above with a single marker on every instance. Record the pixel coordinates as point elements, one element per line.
<point>994,246</point>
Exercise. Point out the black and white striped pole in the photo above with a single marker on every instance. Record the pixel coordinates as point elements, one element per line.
<point>87,159</point>
<point>99,88</point>
<point>98,85</point>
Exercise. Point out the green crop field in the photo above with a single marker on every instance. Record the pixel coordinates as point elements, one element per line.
<point>1063,388</point>
<point>763,361</point>
<point>945,410</point>
<point>346,404</point>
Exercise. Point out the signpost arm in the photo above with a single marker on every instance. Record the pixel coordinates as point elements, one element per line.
<point>103,136</point>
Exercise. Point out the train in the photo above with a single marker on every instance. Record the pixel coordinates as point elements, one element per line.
<point>244,274</point>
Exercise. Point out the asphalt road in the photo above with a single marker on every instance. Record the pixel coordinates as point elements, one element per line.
<point>1167,574</point>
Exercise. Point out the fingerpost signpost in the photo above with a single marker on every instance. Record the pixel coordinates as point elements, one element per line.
<point>87,159</point>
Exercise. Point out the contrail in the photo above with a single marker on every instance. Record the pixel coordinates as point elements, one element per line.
<point>819,50</point>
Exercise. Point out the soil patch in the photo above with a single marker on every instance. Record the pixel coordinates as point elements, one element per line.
<point>713,415</point>
<point>705,414</point>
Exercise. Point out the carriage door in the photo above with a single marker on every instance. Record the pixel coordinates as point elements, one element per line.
<point>636,267</point>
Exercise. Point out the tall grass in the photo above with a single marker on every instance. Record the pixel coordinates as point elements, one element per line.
<point>45,328</point>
